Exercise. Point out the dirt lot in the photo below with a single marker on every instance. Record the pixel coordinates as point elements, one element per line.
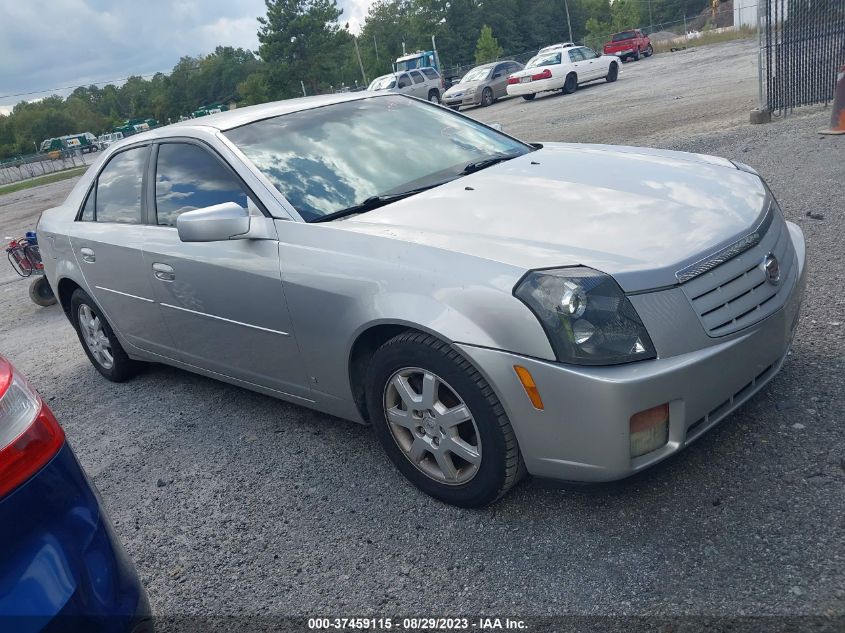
<point>233,503</point>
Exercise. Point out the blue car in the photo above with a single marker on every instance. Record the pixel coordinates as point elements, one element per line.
<point>62,567</point>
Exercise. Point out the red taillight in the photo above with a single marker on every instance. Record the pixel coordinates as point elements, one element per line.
<point>29,434</point>
<point>546,74</point>
<point>513,80</point>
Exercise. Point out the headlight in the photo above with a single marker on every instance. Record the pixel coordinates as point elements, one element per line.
<point>587,317</point>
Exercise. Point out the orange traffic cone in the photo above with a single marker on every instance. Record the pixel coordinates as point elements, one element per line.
<point>837,116</point>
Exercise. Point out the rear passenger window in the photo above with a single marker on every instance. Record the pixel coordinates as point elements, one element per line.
<point>118,196</point>
<point>188,178</point>
<point>418,78</point>
<point>430,73</point>
<point>575,55</point>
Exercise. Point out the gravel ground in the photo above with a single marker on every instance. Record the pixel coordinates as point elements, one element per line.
<point>232,503</point>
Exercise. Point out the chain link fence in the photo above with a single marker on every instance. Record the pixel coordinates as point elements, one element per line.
<point>679,28</point>
<point>25,167</point>
<point>802,45</point>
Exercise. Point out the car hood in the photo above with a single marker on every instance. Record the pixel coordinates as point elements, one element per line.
<point>464,87</point>
<point>638,214</point>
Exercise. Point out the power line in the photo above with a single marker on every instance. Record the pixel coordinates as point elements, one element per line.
<point>93,83</point>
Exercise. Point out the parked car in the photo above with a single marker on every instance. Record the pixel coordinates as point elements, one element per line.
<point>629,45</point>
<point>61,565</point>
<point>563,69</point>
<point>579,312</point>
<point>482,85</point>
<point>424,83</point>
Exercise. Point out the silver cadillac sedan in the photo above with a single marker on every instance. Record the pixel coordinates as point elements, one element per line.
<point>490,307</point>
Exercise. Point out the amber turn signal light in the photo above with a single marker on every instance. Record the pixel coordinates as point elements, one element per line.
<point>529,385</point>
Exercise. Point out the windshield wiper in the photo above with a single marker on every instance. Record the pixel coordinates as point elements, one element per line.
<point>374,202</point>
<point>478,165</point>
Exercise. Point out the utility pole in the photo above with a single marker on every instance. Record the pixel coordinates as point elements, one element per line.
<point>568,22</point>
<point>650,19</point>
<point>302,83</point>
<point>360,63</point>
<point>375,43</point>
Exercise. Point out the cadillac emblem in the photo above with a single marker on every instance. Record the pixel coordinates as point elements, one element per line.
<point>771,268</point>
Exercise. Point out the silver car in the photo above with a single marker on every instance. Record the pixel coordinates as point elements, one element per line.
<point>424,83</point>
<point>482,85</point>
<point>490,307</point>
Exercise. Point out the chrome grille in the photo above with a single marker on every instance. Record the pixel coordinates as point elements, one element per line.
<point>734,293</point>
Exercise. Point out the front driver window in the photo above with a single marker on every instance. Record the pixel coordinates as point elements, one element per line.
<point>188,178</point>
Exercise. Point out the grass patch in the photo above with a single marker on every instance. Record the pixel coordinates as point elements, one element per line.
<point>707,38</point>
<point>42,180</point>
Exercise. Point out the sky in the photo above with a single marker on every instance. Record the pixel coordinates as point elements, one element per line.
<point>49,44</point>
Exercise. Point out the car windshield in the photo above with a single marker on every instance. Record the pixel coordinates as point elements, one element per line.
<point>627,35</point>
<point>383,83</point>
<point>329,159</point>
<point>476,74</point>
<point>549,59</point>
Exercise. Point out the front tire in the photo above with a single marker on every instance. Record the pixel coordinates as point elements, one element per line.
<point>612,72</point>
<point>440,422</point>
<point>649,51</point>
<point>486,98</point>
<point>571,84</point>
<point>98,339</point>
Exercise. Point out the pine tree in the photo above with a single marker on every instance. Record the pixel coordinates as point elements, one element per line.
<point>487,49</point>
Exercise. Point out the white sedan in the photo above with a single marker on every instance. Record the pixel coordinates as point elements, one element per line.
<point>562,69</point>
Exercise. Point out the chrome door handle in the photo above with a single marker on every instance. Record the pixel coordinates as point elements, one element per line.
<point>163,272</point>
<point>87,255</point>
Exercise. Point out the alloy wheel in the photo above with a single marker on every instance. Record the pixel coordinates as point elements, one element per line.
<point>432,426</point>
<point>95,337</point>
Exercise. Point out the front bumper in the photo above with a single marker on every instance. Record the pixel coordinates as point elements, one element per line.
<point>582,434</point>
<point>462,100</point>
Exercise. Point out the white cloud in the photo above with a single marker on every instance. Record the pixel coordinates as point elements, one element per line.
<point>48,44</point>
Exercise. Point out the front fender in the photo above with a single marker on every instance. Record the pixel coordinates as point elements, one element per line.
<point>338,284</point>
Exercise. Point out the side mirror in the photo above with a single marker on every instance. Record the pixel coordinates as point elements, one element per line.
<point>213,224</point>
<point>497,76</point>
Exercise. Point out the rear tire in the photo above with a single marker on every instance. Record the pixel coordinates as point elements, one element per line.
<point>486,98</point>
<point>41,293</point>
<point>98,339</point>
<point>571,84</point>
<point>637,55</point>
<point>484,435</point>
<point>529,97</point>
<point>434,96</point>
<point>612,72</point>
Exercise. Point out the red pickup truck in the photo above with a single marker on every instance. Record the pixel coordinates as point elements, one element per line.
<point>629,45</point>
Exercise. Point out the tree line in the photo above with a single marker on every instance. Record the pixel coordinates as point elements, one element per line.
<point>305,46</point>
